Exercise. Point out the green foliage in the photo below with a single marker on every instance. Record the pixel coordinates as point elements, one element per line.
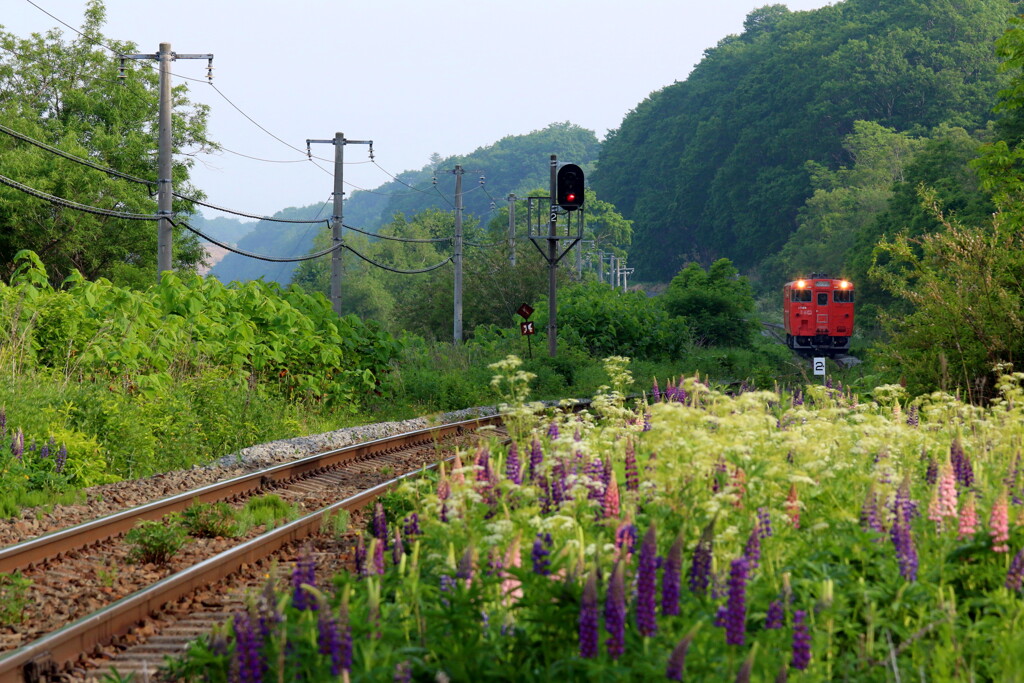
<point>269,510</point>
<point>965,291</point>
<point>67,94</point>
<point>716,165</point>
<point>209,520</point>
<point>155,541</point>
<point>605,321</point>
<point>717,304</point>
<point>13,597</point>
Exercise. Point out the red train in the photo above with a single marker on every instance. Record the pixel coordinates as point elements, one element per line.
<point>818,314</point>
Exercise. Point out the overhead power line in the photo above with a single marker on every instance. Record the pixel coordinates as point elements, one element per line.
<point>396,270</point>
<point>75,205</point>
<point>399,239</point>
<point>259,257</point>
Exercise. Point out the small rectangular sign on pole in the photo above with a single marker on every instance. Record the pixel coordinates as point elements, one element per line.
<point>819,366</point>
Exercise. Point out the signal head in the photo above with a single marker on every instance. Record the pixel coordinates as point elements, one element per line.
<point>569,191</point>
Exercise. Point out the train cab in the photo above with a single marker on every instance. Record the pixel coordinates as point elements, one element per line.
<point>818,314</point>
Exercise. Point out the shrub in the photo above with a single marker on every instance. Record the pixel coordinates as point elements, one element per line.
<point>155,541</point>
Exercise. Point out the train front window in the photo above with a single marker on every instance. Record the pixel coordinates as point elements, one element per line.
<point>822,298</point>
<point>800,295</point>
<point>843,296</point>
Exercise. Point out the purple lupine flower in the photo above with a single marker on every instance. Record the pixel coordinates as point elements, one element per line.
<point>377,566</point>
<point>62,457</point>
<point>961,464</point>
<point>18,443</point>
<point>671,577</point>
<point>912,418</point>
<point>1011,481</point>
<point>464,570</point>
<point>798,398</point>
<point>558,476</point>
<point>647,579</point>
<point>304,573</point>
<point>46,449</point>
<point>931,472</point>
<point>764,522</point>
<point>345,626</point>
<point>596,485</point>
<point>411,526</point>
<point>677,660</point>
<point>545,494</point>
<point>398,549</point>
<point>1015,577</point>
<point>360,556</point>
<point>903,501</point>
<point>720,613</point>
<point>553,431</point>
<point>3,422</point>
<point>247,649</point>
<point>632,475</point>
<point>541,551</point>
<point>615,613</point>
<point>655,391</point>
<point>625,537</point>
<point>403,672</point>
<point>869,512</point>
<point>483,466</point>
<point>775,616</point>
<point>536,459</point>
<point>906,553</point>
<point>736,614</point>
<point>329,641</point>
<point>647,421</point>
<point>752,550</point>
<point>513,469</point>
<point>380,524</point>
<point>589,622</point>
<point>700,568</point>
<point>801,641</point>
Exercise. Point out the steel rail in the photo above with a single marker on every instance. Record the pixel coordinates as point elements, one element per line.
<point>26,553</point>
<point>46,656</point>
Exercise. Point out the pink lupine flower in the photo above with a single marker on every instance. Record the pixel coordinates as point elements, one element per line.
<point>999,522</point>
<point>968,519</point>
<point>511,587</point>
<point>739,483</point>
<point>457,475</point>
<point>611,497</point>
<point>793,507</point>
<point>947,493</point>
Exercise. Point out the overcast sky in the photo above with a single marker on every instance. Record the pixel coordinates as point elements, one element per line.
<point>416,77</point>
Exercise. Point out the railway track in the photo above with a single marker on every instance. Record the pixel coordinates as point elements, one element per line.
<point>81,560</point>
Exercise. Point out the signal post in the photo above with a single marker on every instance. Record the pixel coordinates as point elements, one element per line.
<point>567,194</point>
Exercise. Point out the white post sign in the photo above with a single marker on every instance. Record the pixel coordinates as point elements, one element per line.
<point>819,366</point>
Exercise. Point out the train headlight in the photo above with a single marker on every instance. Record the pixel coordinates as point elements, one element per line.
<point>800,284</point>
<point>844,285</point>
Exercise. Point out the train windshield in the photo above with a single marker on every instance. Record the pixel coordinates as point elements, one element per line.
<point>822,298</point>
<point>800,295</point>
<point>843,296</point>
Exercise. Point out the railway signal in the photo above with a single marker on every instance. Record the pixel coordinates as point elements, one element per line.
<point>569,187</point>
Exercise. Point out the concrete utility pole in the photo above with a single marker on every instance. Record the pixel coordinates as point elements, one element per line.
<point>457,258</point>
<point>337,264</point>
<point>512,230</point>
<point>165,161</point>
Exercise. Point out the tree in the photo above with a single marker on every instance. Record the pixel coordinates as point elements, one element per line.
<point>717,304</point>
<point>716,165</point>
<point>66,94</point>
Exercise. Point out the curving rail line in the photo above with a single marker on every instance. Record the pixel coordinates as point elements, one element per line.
<point>42,658</point>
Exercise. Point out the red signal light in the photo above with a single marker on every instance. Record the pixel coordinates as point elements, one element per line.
<point>570,197</point>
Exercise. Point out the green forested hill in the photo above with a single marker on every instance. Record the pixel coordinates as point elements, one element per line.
<point>715,166</point>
